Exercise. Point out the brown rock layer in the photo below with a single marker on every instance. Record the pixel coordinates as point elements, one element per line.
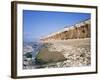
<point>82,31</point>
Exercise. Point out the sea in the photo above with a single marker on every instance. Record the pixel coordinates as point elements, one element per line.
<point>30,48</point>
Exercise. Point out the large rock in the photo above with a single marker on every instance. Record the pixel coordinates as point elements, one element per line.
<point>46,56</point>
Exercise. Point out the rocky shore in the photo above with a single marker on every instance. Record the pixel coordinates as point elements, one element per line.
<point>65,53</point>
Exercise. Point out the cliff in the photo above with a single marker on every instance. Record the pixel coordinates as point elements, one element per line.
<point>79,30</point>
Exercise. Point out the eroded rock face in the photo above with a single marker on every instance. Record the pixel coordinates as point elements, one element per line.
<point>82,31</point>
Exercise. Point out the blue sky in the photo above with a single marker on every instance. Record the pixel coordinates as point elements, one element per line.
<point>41,23</point>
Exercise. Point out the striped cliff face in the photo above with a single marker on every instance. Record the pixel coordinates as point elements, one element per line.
<point>79,30</point>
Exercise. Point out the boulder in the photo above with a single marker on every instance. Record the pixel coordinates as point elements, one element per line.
<point>46,56</point>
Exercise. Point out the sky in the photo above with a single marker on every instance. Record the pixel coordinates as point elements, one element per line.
<point>37,24</point>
